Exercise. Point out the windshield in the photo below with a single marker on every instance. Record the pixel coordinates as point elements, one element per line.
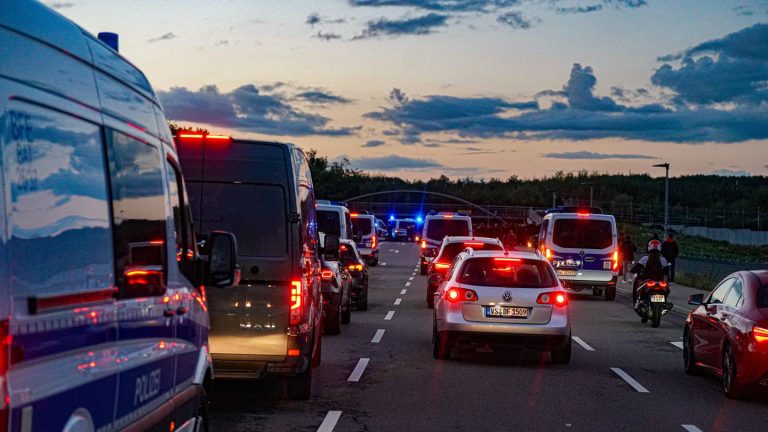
<point>328,222</point>
<point>583,233</point>
<point>507,273</point>
<point>439,228</point>
<point>450,250</point>
<point>362,225</point>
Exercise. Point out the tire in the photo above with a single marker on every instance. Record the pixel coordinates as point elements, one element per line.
<point>318,358</point>
<point>634,295</point>
<point>562,356</point>
<point>346,316</point>
<point>656,317</point>
<point>441,349</point>
<point>689,357</point>
<point>202,413</point>
<point>333,327</point>
<point>731,387</point>
<point>299,387</point>
<point>423,269</point>
<point>362,302</point>
<point>610,293</point>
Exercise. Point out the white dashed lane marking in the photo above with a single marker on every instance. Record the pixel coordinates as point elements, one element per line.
<point>330,421</point>
<point>631,381</point>
<point>407,284</point>
<point>410,278</point>
<point>583,344</point>
<point>389,316</point>
<point>677,344</point>
<point>397,301</point>
<point>359,369</point>
<point>403,291</point>
<point>382,264</point>
<point>377,337</point>
<point>397,251</point>
<point>691,428</point>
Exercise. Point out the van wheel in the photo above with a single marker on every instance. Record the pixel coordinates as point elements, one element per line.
<point>346,316</point>
<point>299,387</point>
<point>610,293</point>
<point>201,425</point>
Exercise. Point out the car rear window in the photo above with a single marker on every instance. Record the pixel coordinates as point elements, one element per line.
<point>362,224</point>
<point>452,249</point>
<point>583,233</point>
<point>439,228</point>
<point>328,222</point>
<point>507,273</point>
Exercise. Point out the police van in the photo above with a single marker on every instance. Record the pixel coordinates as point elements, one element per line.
<point>438,226</point>
<point>102,297</point>
<point>334,219</point>
<point>582,248</point>
<point>271,323</point>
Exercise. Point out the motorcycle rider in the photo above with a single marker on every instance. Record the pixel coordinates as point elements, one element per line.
<point>652,266</point>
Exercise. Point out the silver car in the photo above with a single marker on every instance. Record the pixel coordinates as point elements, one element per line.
<point>501,298</point>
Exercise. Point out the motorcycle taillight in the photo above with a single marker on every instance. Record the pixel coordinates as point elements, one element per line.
<point>6,341</point>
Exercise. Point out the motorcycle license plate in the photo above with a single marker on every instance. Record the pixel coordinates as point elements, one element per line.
<point>657,298</point>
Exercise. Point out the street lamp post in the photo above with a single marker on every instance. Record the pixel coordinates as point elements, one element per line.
<point>666,196</point>
<point>554,197</point>
<point>591,192</point>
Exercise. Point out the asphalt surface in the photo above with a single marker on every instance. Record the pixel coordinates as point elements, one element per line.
<point>400,387</point>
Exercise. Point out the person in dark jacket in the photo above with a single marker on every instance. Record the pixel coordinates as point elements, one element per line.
<point>670,250</point>
<point>627,250</point>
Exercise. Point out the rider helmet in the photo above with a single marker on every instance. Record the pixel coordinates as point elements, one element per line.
<point>654,245</point>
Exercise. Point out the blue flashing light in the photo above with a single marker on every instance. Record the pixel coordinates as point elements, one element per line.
<point>391,217</point>
<point>419,219</point>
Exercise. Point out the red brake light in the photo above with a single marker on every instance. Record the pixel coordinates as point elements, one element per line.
<point>219,137</point>
<point>582,214</point>
<point>553,298</point>
<point>473,243</point>
<point>191,136</point>
<point>294,353</point>
<point>548,253</point>
<point>442,266</point>
<point>326,275</point>
<point>6,340</point>
<point>615,260</point>
<point>650,284</point>
<point>507,259</point>
<point>663,284</point>
<point>760,334</point>
<point>373,242</point>
<point>449,216</point>
<point>454,295</point>
<point>354,214</point>
<point>423,244</point>
<point>296,296</point>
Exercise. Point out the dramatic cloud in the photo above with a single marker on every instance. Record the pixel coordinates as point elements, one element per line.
<point>731,69</point>
<point>515,20</point>
<point>579,91</point>
<point>327,36</point>
<point>584,155</point>
<point>247,109</point>
<point>167,36</point>
<point>319,97</point>
<point>374,143</point>
<point>422,25</point>
<point>730,173</point>
<point>392,163</point>
<point>443,5</point>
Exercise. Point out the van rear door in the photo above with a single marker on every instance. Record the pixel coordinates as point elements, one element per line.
<point>582,243</point>
<point>246,188</point>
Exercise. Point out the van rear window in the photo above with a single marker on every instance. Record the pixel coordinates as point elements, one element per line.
<point>582,233</point>
<point>328,222</point>
<point>439,228</point>
<point>362,224</point>
<point>507,273</point>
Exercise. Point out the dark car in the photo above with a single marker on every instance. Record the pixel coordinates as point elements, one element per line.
<point>449,249</point>
<point>336,286</point>
<point>727,333</point>
<point>355,265</point>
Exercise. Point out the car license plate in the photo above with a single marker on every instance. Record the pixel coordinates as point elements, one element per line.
<point>657,298</point>
<point>506,312</point>
<point>566,272</point>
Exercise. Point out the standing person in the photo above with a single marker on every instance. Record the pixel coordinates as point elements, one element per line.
<point>670,250</point>
<point>627,251</point>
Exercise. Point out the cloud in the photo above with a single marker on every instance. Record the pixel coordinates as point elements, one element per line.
<point>588,155</point>
<point>730,173</point>
<point>579,91</point>
<point>247,109</point>
<point>579,9</point>
<point>731,69</point>
<point>515,20</point>
<point>421,25</point>
<point>393,163</point>
<point>320,97</point>
<point>60,5</point>
<point>327,36</point>
<point>374,143</point>
<point>167,36</point>
<point>443,5</point>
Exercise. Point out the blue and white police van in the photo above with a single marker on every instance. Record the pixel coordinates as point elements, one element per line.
<point>582,248</point>
<point>103,323</point>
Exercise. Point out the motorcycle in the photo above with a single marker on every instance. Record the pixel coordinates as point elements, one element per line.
<point>651,301</point>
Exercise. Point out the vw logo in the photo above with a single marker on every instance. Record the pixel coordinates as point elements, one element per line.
<point>507,296</point>
<point>582,253</point>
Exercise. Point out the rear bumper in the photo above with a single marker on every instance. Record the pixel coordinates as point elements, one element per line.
<point>543,342</point>
<point>753,365</point>
<point>589,278</point>
<point>246,366</point>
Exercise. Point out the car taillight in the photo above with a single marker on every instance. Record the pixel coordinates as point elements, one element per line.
<point>663,284</point>
<point>326,275</point>
<point>417,238</point>
<point>548,253</point>
<point>615,260</point>
<point>650,284</point>
<point>441,266</point>
<point>454,295</point>
<point>423,244</point>
<point>553,298</point>
<point>356,267</point>
<point>373,242</point>
<point>5,350</point>
<point>296,301</point>
<point>760,334</point>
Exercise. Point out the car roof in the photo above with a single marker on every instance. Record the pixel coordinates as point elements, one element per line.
<point>447,216</point>
<point>502,254</point>
<point>580,216</point>
<point>461,239</point>
<point>332,207</point>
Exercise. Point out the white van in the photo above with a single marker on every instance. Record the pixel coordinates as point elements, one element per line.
<point>438,226</point>
<point>366,237</point>
<point>582,248</point>
<point>333,219</point>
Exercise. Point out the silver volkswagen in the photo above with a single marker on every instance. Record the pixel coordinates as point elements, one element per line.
<point>500,298</point>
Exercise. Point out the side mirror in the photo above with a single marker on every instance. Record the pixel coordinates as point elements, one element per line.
<point>435,279</point>
<point>696,299</point>
<point>331,248</point>
<point>222,270</point>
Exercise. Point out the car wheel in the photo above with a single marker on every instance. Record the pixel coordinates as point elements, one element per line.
<point>441,349</point>
<point>689,357</point>
<point>610,293</point>
<point>731,386</point>
<point>318,358</point>
<point>362,301</point>
<point>333,326</point>
<point>299,387</point>
<point>562,355</point>
<point>346,316</point>
<point>201,425</point>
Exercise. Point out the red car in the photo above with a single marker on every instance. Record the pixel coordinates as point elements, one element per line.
<point>727,334</point>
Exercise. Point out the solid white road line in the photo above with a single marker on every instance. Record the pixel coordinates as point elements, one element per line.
<point>397,301</point>
<point>330,421</point>
<point>359,369</point>
<point>583,344</point>
<point>391,250</point>
<point>389,316</point>
<point>677,344</point>
<point>410,278</point>
<point>407,284</point>
<point>631,381</point>
<point>382,264</point>
<point>691,428</point>
<point>403,291</point>
<point>377,337</point>
<point>397,251</point>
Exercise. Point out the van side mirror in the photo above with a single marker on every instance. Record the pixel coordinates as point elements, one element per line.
<point>696,299</point>
<point>331,248</point>
<point>222,270</point>
<point>435,279</point>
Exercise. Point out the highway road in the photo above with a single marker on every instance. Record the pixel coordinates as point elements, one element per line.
<point>379,375</point>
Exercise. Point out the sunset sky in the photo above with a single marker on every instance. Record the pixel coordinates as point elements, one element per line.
<point>479,88</point>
